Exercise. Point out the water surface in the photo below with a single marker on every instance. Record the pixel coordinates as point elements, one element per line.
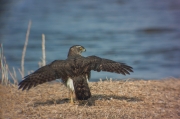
<point>142,34</point>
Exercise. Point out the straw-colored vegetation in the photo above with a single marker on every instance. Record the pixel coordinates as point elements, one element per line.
<point>155,99</point>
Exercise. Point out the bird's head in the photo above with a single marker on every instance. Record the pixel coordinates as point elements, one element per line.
<point>76,50</point>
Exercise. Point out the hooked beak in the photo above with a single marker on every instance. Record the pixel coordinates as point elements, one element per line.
<point>84,50</point>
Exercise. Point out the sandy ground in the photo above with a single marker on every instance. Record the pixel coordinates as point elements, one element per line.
<point>130,99</point>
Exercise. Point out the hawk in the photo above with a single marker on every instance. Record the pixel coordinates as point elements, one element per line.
<point>75,72</point>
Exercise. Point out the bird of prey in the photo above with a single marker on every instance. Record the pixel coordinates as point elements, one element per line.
<point>74,71</point>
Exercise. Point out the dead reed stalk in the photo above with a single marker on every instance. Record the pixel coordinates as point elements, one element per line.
<point>43,59</point>
<point>43,51</point>
<point>24,49</point>
<point>3,67</point>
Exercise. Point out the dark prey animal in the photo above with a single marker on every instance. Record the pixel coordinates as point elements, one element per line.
<point>74,71</point>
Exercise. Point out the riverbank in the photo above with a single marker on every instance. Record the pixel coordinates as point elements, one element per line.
<point>125,99</point>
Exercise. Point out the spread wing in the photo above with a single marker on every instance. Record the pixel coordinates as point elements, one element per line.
<point>71,68</point>
<point>100,64</point>
<point>55,70</point>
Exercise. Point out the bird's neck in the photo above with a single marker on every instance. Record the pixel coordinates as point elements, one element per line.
<point>72,54</point>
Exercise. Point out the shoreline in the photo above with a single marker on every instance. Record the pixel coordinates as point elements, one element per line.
<point>110,99</point>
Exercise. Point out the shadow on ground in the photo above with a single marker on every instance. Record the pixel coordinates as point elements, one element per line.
<point>89,102</point>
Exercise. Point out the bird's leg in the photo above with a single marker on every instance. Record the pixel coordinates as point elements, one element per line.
<point>71,96</point>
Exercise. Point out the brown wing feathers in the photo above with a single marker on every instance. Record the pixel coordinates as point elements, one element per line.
<point>57,69</point>
<point>40,76</point>
<point>100,64</point>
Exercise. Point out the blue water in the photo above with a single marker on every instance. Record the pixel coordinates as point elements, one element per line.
<point>142,34</point>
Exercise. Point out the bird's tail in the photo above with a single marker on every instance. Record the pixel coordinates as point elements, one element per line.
<point>81,88</point>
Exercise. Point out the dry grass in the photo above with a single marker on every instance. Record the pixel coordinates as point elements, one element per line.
<point>155,99</point>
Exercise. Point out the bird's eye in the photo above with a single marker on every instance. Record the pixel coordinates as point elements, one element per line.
<point>80,48</point>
